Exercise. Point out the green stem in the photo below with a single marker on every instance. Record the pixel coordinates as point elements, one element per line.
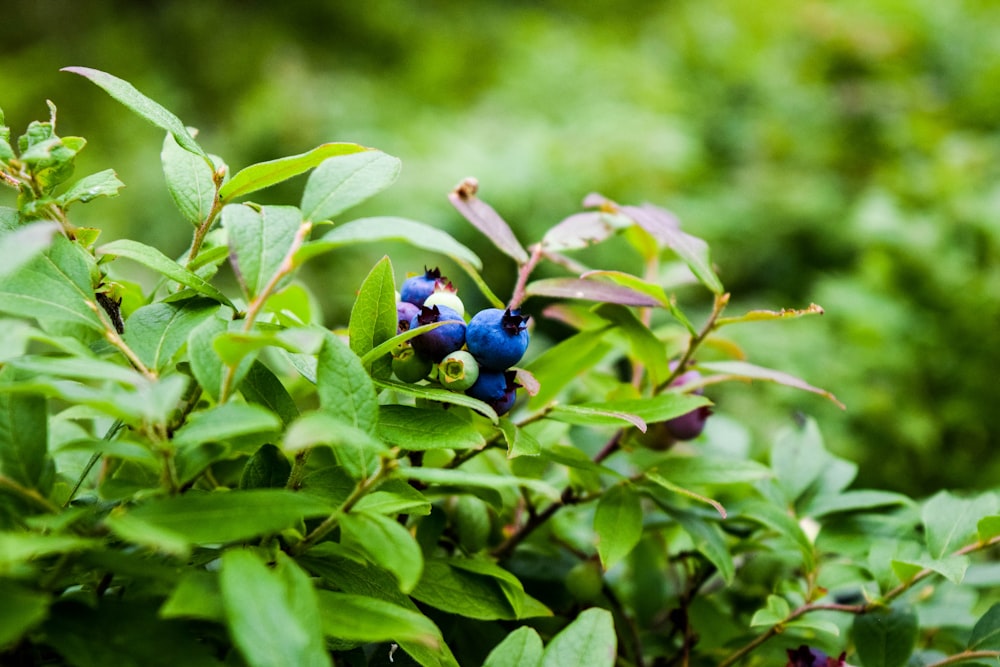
<point>386,468</point>
<point>721,301</point>
<point>963,656</point>
<point>31,496</point>
<point>111,432</point>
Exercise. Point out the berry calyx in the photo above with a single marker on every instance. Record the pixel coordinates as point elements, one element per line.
<point>458,371</point>
<point>497,338</point>
<point>438,343</point>
<point>416,289</point>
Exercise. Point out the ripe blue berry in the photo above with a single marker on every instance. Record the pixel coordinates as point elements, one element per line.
<point>497,338</point>
<point>417,288</point>
<point>405,312</point>
<point>804,656</point>
<point>496,389</point>
<point>438,343</point>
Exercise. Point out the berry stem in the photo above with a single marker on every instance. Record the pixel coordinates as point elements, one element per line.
<point>523,271</point>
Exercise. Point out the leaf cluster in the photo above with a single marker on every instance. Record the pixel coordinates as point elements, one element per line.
<point>223,479</point>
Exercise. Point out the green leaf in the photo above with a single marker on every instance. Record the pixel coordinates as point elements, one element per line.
<point>356,451</point>
<point>618,523</point>
<point>156,260</point>
<point>265,174</point>
<point>21,245</point>
<point>273,615</point>
<point>695,470</point>
<point>798,458</point>
<point>16,549</point>
<point>196,595</point>
<point>851,501</point>
<point>484,218</point>
<point>382,229</point>
<point>190,180</point>
<point>387,543</point>
<point>460,591</point>
<point>422,429</point>
<point>646,348</point>
<point>710,542</point>
<point>986,633</point>
<point>23,435</point>
<point>395,497</point>
<point>952,523</point>
<point>146,108</point>
<point>206,366</point>
<point>259,241</point>
<point>557,366</point>
<point>664,227</point>
<point>659,408</point>
<point>519,441</point>
<point>521,648</point>
<point>776,611</point>
<point>133,634</point>
<point>741,370</point>
<point>440,395</point>
<point>988,527</point>
<point>22,609</point>
<point>263,387</point>
<point>102,184</point>
<point>462,479</point>
<point>224,422</point>
<point>595,416</point>
<point>360,618</point>
<point>53,286</point>
<point>951,567</point>
<point>79,368</point>
<point>344,388</point>
<point>344,181</point>
<point>157,332</point>
<point>885,638</point>
<point>589,641</point>
<point>209,518</point>
<point>373,316</point>
<point>773,517</point>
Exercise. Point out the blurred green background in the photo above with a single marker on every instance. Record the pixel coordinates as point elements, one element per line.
<point>844,153</point>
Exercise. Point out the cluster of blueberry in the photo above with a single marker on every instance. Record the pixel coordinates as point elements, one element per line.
<point>474,357</point>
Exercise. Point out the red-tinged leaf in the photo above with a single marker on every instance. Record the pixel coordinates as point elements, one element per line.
<point>486,220</point>
<point>740,370</point>
<point>527,381</point>
<point>665,228</point>
<point>581,230</point>
<point>589,290</point>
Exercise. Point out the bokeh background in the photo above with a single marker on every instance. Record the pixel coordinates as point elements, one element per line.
<point>842,152</point>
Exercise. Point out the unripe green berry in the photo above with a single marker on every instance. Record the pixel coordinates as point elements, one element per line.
<point>458,371</point>
<point>409,366</point>
<point>445,298</point>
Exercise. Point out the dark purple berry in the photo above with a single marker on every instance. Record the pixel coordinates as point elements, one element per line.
<point>496,389</point>
<point>405,312</point>
<point>497,338</point>
<point>804,656</point>
<point>417,288</point>
<point>690,425</point>
<point>438,343</point>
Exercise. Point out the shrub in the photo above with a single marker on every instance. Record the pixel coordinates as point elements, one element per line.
<point>190,476</point>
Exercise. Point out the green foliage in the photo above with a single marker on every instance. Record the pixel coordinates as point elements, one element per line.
<point>222,479</point>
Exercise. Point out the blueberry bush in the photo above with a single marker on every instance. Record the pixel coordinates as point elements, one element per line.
<point>194,469</point>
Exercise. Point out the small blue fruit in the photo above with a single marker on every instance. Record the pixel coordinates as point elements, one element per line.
<point>496,389</point>
<point>438,343</point>
<point>417,288</point>
<point>497,338</point>
<point>405,312</point>
<point>804,656</point>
